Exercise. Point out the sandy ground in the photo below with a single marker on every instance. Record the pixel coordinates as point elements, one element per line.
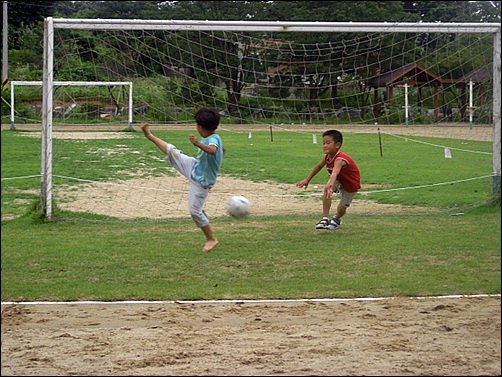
<point>388,337</point>
<point>167,197</point>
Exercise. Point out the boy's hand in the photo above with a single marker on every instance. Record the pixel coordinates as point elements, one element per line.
<point>193,139</point>
<point>329,190</point>
<point>303,184</point>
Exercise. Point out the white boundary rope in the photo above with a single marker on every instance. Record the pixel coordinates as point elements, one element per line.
<point>240,301</point>
<point>28,176</point>
<point>435,145</point>
<point>253,195</point>
<point>279,195</point>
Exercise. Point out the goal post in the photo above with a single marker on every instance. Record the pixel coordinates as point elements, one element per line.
<point>251,26</point>
<point>497,104</point>
<point>71,83</point>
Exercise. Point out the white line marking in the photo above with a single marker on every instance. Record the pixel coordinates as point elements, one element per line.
<point>236,301</point>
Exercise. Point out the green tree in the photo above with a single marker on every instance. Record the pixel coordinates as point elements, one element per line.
<point>454,11</point>
<point>323,73</point>
<point>25,33</point>
<point>228,51</point>
<point>231,54</point>
<point>108,9</point>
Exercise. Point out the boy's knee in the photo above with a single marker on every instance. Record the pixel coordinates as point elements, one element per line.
<point>194,210</point>
<point>172,152</point>
<point>199,217</point>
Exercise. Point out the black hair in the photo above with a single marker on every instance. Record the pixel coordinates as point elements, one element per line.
<point>336,135</point>
<point>208,118</point>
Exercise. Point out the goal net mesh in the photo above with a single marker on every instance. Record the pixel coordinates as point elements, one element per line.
<point>415,110</point>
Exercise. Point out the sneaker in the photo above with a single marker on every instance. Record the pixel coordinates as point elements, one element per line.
<point>323,224</point>
<point>334,223</point>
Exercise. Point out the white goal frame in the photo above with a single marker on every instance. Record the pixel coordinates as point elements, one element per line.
<point>70,83</point>
<point>274,26</point>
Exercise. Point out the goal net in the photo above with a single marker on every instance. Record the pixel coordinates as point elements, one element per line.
<point>418,105</point>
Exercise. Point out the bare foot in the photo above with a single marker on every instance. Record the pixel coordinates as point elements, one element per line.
<point>210,245</point>
<point>145,128</point>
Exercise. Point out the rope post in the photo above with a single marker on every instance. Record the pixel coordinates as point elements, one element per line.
<point>380,142</point>
<point>406,103</point>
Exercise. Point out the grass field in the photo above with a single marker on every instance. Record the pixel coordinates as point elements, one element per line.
<point>261,257</point>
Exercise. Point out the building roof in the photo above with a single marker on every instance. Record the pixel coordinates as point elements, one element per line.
<point>479,74</point>
<point>412,72</point>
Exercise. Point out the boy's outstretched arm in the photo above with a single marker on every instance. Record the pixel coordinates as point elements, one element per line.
<point>161,144</point>
<point>314,171</point>
<point>209,149</point>
<point>330,188</point>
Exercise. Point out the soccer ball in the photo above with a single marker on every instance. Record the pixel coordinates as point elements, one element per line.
<point>238,207</point>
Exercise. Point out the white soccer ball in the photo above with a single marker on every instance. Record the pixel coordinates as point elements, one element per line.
<point>238,207</point>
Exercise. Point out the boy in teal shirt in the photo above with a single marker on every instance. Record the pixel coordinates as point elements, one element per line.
<point>201,172</point>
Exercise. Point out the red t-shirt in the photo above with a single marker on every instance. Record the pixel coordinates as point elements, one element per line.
<point>349,176</point>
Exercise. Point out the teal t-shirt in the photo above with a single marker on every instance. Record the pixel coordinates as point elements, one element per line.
<point>207,166</point>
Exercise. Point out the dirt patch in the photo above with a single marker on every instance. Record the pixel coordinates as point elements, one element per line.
<point>84,135</point>
<point>389,337</point>
<point>167,197</point>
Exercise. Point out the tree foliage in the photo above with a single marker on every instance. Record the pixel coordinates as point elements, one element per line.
<point>230,56</point>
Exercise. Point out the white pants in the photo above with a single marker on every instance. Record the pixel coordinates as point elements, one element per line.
<point>197,193</point>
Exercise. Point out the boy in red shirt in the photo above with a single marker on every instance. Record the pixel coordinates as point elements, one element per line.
<point>345,178</point>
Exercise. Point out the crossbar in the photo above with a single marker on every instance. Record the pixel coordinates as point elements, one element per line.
<point>276,26</point>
